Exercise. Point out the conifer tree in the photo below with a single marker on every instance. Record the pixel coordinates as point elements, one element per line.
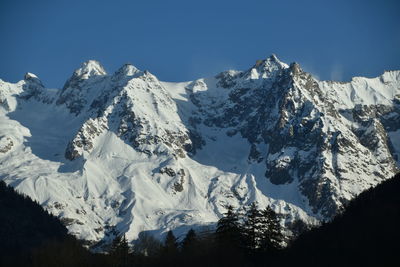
<point>148,245</point>
<point>119,251</point>
<point>170,244</point>
<point>229,230</point>
<point>253,228</point>
<point>273,236</point>
<point>189,242</point>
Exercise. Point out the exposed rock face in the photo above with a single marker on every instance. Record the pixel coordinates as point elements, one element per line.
<point>179,175</point>
<point>283,109</point>
<point>135,106</point>
<point>33,87</point>
<point>83,84</point>
<point>6,143</point>
<point>158,155</point>
<point>85,138</point>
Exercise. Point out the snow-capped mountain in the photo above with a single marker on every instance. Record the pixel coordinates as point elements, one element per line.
<point>129,153</point>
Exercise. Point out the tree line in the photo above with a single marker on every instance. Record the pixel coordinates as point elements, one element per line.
<point>239,237</point>
<point>30,236</point>
<point>365,234</point>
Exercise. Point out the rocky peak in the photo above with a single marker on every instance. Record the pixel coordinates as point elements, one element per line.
<point>32,87</point>
<point>29,75</point>
<point>265,68</point>
<point>273,60</point>
<point>127,70</point>
<point>85,83</point>
<point>90,68</point>
<point>295,68</point>
<point>32,78</point>
<point>306,88</point>
<point>139,111</point>
<point>227,79</point>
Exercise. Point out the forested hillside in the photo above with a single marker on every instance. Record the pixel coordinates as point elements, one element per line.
<point>366,234</point>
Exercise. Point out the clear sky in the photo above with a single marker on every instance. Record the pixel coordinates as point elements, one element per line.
<point>184,40</point>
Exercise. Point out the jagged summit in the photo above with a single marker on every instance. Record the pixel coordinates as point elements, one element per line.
<point>29,75</point>
<point>126,70</point>
<point>273,57</point>
<point>272,60</point>
<point>90,68</point>
<point>265,68</point>
<point>32,79</point>
<point>81,88</point>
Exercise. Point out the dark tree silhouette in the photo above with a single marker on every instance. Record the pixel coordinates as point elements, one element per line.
<point>119,251</point>
<point>367,233</point>
<point>228,233</point>
<point>170,243</point>
<point>189,243</point>
<point>272,230</point>
<point>24,225</point>
<point>253,228</point>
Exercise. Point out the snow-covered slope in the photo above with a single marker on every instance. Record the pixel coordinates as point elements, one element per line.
<point>126,152</point>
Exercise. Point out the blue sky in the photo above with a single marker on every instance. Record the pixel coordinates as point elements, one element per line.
<point>184,40</point>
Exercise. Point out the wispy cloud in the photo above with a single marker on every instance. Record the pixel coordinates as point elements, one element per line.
<point>337,72</point>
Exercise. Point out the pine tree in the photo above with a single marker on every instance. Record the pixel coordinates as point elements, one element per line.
<point>119,251</point>
<point>253,228</point>
<point>148,245</point>
<point>189,243</point>
<point>229,230</point>
<point>170,244</point>
<point>272,237</point>
<point>169,250</point>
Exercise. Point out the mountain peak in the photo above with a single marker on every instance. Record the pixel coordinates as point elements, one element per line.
<point>273,58</point>
<point>266,67</point>
<point>29,75</point>
<point>127,70</point>
<point>90,68</point>
<point>87,70</point>
<point>32,78</point>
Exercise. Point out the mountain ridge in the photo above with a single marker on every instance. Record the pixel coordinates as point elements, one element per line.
<point>129,153</point>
